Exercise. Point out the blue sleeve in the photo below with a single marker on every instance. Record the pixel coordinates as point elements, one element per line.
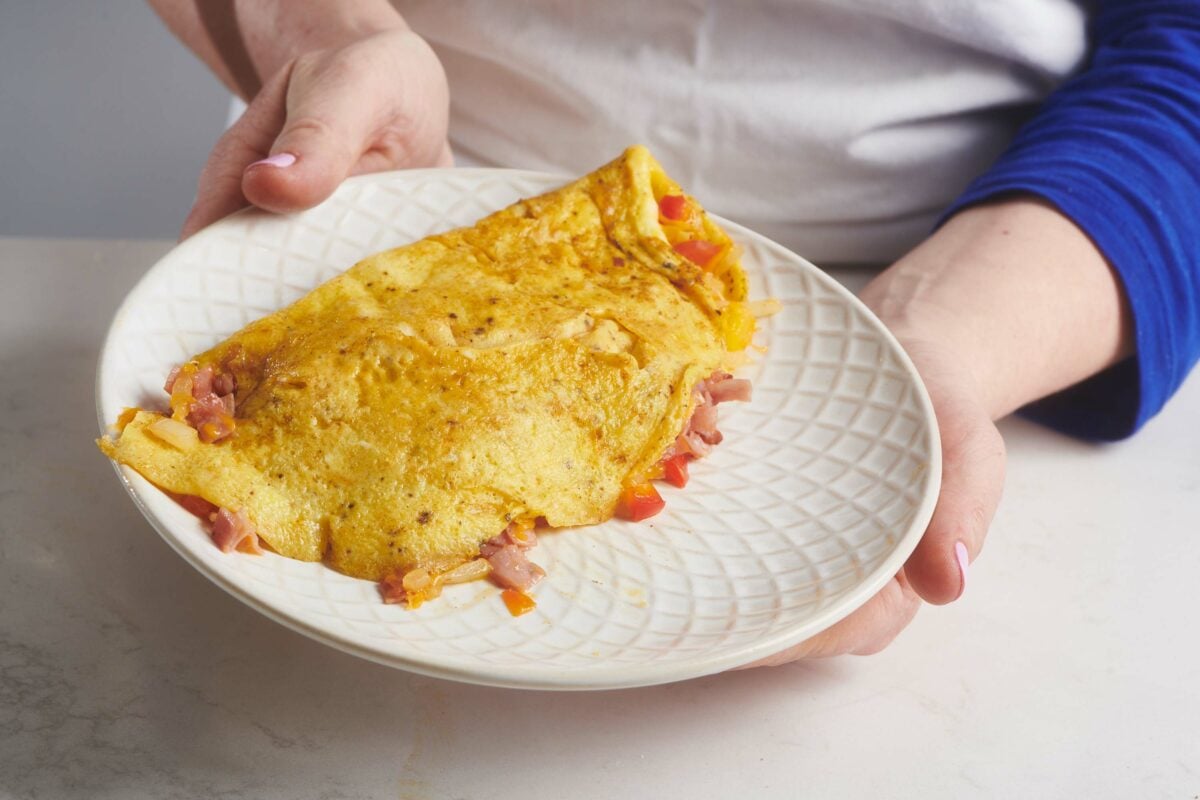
<point>1117,150</point>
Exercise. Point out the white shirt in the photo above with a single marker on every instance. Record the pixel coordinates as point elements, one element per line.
<point>841,129</point>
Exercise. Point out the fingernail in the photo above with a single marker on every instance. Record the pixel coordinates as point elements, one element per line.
<point>277,160</point>
<point>964,564</point>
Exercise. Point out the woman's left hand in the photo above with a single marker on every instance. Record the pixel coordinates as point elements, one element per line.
<point>1006,303</point>
<point>972,478</point>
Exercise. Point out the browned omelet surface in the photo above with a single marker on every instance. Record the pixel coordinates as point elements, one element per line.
<point>407,410</point>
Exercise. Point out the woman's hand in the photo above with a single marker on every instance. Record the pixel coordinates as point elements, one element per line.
<point>1007,303</point>
<point>377,103</point>
<point>972,478</point>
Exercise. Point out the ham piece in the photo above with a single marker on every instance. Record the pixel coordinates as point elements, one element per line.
<point>700,433</point>
<point>512,569</point>
<point>209,405</point>
<point>234,531</point>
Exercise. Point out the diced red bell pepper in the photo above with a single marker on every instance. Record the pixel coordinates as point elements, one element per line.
<point>639,501</point>
<point>518,602</point>
<point>673,207</point>
<point>698,251</point>
<point>675,470</point>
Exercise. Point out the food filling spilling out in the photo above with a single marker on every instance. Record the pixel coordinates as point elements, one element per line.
<point>417,419</point>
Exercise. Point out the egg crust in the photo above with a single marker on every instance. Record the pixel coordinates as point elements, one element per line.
<point>528,366</point>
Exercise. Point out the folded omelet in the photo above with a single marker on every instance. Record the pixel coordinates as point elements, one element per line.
<point>529,366</point>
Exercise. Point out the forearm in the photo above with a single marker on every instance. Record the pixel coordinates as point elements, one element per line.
<point>1022,296</point>
<point>246,41</point>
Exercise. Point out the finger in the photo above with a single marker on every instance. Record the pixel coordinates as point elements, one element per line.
<point>219,190</point>
<point>357,106</point>
<point>972,481</point>
<point>868,630</point>
<point>378,161</point>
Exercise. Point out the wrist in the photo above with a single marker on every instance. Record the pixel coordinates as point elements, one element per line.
<point>245,42</point>
<point>922,315</point>
<point>1016,293</point>
<point>279,32</point>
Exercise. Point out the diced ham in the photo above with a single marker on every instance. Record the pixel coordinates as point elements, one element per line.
<point>203,408</point>
<point>721,387</point>
<point>516,535</point>
<point>170,384</point>
<point>210,416</point>
<point>704,424</point>
<point>701,433</point>
<point>731,389</point>
<point>202,382</point>
<point>204,400</point>
<point>392,588</point>
<point>234,531</point>
<point>692,445</point>
<point>512,569</point>
<point>495,543</point>
<point>195,505</point>
<point>224,384</point>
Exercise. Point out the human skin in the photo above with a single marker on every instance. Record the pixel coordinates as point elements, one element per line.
<point>337,88</point>
<point>1005,303</point>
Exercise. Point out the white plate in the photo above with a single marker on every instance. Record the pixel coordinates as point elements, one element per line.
<point>820,491</point>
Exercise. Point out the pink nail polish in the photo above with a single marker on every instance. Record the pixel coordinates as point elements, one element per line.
<point>964,564</point>
<point>277,160</point>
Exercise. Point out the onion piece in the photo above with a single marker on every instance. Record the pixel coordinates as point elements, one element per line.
<point>175,433</point>
<point>470,571</point>
<point>764,308</point>
<point>416,580</point>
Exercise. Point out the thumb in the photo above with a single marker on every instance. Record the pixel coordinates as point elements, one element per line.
<point>219,190</point>
<point>972,480</point>
<point>866,631</point>
<point>330,117</point>
<point>380,103</point>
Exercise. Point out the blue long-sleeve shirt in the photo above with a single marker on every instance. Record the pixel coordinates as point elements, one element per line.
<point>1117,150</point>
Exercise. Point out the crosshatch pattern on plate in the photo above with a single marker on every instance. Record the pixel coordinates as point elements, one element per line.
<point>817,481</point>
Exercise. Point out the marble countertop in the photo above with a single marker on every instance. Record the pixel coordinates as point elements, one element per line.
<point>1071,667</point>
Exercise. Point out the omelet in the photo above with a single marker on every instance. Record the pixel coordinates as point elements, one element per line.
<point>530,367</point>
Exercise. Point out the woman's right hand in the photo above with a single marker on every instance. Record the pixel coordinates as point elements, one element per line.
<point>378,103</point>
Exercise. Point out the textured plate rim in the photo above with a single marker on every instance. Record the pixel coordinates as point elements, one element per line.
<point>599,676</point>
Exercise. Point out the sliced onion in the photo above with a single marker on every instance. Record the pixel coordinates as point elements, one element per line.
<point>764,308</point>
<point>175,433</point>
<point>416,580</point>
<point>470,571</point>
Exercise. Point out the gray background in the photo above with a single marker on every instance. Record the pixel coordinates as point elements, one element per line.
<point>105,120</point>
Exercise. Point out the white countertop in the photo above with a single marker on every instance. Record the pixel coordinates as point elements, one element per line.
<point>1071,667</point>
